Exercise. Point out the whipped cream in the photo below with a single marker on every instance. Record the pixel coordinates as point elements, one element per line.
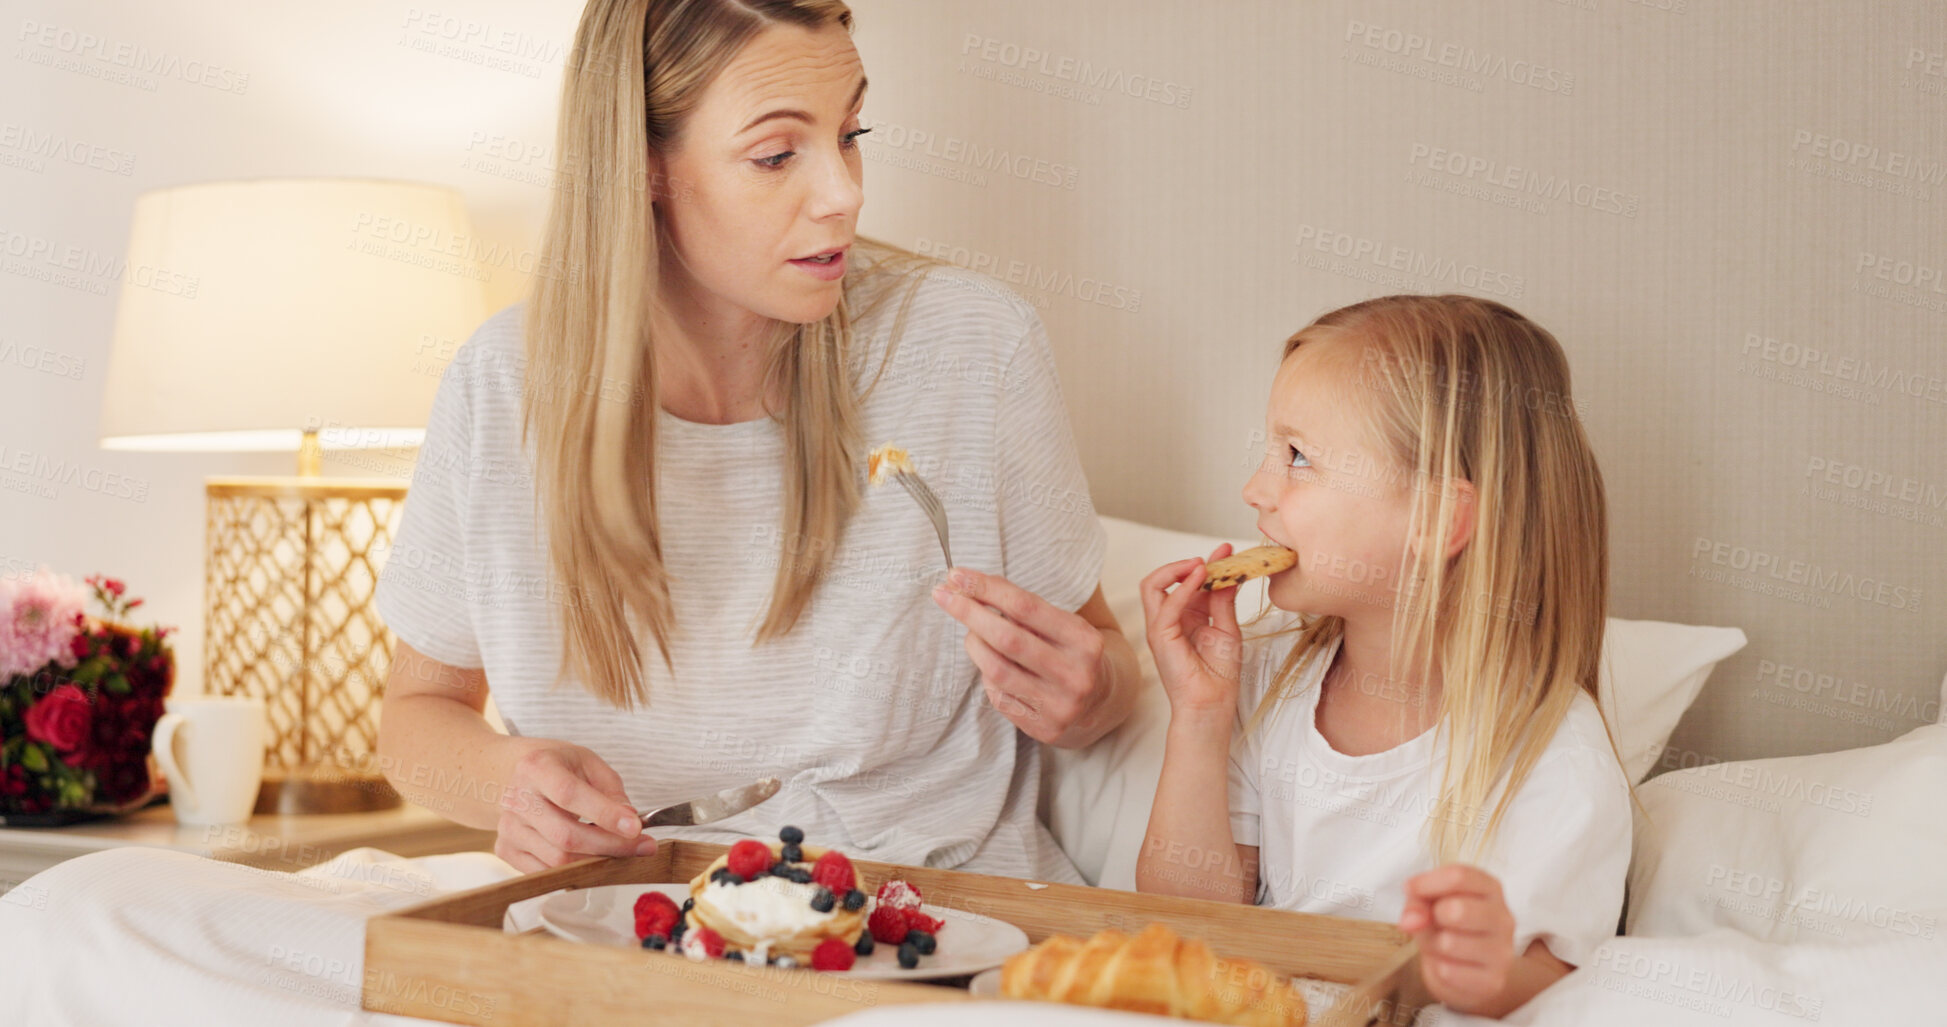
<point>769,907</point>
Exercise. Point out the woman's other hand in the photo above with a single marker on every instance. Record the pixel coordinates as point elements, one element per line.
<point>1053,673</point>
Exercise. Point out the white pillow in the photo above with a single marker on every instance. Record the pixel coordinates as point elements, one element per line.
<point>1838,847</point>
<point>1096,801</point>
<point>1651,673</point>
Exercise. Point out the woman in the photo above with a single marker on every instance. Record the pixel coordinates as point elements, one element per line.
<point>758,611</point>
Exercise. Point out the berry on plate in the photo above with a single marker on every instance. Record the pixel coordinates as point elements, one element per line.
<point>834,871</point>
<point>655,913</point>
<point>899,893</point>
<point>918,921</point>
<point>832,954</point>
<point>703,943</point>
<point>888,925</point>
<point>749,858</point>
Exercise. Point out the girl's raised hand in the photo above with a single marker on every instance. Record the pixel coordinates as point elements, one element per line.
<point>1194,636</point>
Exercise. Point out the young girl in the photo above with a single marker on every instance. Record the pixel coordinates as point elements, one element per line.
<point>1418,739</point>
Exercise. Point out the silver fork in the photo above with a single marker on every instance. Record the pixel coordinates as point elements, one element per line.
<point>923,495</point>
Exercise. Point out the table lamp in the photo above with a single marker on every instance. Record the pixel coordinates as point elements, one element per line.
<point>294,315</point>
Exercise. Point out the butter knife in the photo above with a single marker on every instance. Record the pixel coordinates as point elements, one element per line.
<point>729,802</point>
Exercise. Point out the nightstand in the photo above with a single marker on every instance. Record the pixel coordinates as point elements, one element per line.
<point>271,842</point>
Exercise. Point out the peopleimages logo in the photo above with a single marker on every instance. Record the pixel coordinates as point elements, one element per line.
<point>1526,181</point>
<point>1811,577</point>
<point>1075,70</point>
<point>1391,264</point>
<point>1459,58</point>
<point>1842,369</point>
<point>890,137</point>
<point>1867,157</point>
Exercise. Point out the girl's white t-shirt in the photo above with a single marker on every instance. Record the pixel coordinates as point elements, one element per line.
<point>870,710</point>
<point>1341,834</point>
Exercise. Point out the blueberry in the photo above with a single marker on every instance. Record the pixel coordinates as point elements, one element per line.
<point>655,941</point>
<point>821,900</point>
<point>781,869</point>
<point>790,853</point>
<point>854,899</point>
<point>801,875</point>
<point>688,904</point>
<point>864,945</point>
<point>922,941</point>
<point>908,955</point>
<point>791,835</point>
<point>734,956</point>
<point>732,877</point>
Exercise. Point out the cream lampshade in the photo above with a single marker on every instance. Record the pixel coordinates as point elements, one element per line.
<point>294,315</point>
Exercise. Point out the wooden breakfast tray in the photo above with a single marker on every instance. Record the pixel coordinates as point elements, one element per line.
<point>449,959</point>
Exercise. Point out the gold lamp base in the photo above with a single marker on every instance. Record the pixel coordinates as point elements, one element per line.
<point>324,789</point>
<point>292,567</point>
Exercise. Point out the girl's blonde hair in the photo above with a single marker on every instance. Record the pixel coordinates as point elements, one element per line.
<point>1465,389</point>
<point>638,69</point>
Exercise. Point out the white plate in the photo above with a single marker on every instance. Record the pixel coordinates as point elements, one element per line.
<point>968,943</point>
<point>986,984</point>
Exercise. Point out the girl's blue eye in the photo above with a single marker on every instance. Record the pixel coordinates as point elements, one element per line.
<point>776,160</point>
<point>1298,459</point>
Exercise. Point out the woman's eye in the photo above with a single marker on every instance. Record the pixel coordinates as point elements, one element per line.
<point>1298,459</point>
<point>776,160</point>
<point>851,138</point>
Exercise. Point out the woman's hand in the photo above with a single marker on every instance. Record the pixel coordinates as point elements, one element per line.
<point>1043,667</point>
<point>554,787</point>
<point>1194,637</point>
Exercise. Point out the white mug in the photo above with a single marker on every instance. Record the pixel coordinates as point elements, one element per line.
<point>211,749</point>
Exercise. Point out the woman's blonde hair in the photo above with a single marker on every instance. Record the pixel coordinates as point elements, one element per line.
<point>638,70</point>
<point>1465,389</point>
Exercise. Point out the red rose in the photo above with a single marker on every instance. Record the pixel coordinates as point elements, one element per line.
<point>62,719</point>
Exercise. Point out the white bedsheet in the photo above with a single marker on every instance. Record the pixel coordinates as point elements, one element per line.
<point>153,937</point>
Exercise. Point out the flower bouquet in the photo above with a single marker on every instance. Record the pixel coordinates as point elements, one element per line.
<point>79,700</point>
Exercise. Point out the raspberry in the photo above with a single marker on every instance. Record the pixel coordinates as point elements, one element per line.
<point>749,858</point>
<point>887,924</point>
<point>655,913</point>
<point>704,940</point>
<point>918,921</point>
<point>900,894</point>
<point>834,871</point>
<point>832,954</point>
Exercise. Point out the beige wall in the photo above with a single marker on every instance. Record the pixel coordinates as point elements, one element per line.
<point>1158,180</point>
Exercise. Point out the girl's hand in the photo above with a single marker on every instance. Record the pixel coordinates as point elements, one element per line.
<point>1194,636</point>
<point>1042,667</point>
<point>1466,935</point>
<point>554,787</point>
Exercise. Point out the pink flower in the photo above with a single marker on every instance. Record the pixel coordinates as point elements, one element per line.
<point>39,618</point>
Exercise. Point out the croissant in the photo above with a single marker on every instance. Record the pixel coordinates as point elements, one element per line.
<point>1154,972</point>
